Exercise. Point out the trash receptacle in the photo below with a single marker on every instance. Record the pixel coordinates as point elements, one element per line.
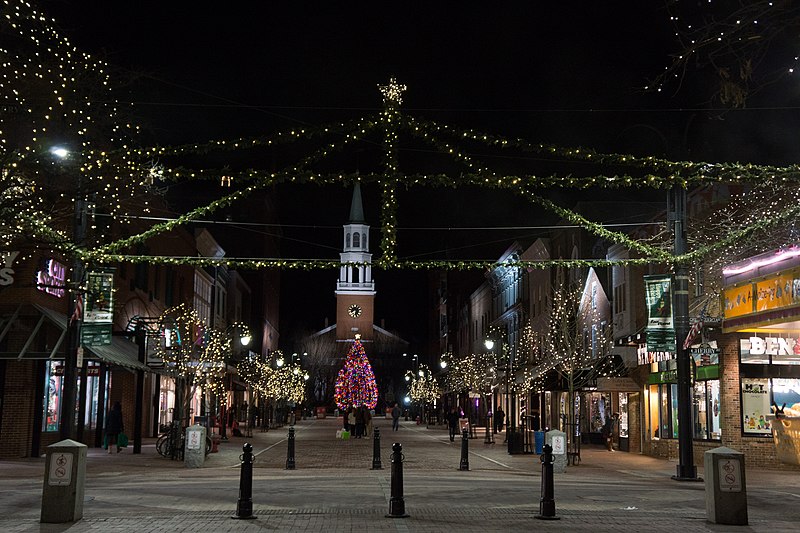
<point>538,442</point>
<point>515,444</point>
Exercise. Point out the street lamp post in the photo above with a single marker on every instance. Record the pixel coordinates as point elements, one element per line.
<point>244,339</point>
<point>686,470</point>
<point>68,392</point>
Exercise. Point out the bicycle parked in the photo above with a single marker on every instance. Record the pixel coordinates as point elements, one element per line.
<point>171,443</point>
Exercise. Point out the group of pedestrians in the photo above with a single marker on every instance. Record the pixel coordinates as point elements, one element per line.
<point>358,421</point>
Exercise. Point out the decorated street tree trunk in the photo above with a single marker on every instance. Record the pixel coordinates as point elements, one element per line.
<point>355,384</point>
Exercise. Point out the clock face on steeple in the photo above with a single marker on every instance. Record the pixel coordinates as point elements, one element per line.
<point>354,311</point>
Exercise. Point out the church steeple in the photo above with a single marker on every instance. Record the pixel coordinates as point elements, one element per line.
<point>355,290</point>
<point>356,207</point>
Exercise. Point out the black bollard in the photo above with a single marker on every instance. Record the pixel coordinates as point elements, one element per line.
<point>376,450</point>
<point>244,507</point>
<point>464,465</point>
<point>397,505</point>
<point>489,437</point>
<point>547,505</point>
<point>290,450</point>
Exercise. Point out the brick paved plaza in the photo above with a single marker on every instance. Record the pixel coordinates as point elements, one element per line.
<point>334,489</point>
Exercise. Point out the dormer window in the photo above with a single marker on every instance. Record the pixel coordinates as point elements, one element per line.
<point>356,240</point>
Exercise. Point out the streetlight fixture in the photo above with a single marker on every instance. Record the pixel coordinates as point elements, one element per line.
<point>443,364</point>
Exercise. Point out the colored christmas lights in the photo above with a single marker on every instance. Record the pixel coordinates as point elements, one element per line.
<point>355,383</point>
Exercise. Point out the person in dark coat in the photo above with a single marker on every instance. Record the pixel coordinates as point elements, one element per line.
<point>499,419</point>
<point>395,417</point>
<point>114,427</point>
<point>608,431</point>
<point>452,423</point>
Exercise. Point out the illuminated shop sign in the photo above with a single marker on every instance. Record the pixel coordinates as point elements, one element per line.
<point>766,350</point>
<point>6,270</point>
<point>52,278</point>
<point>646,358</point>
<point>780,290</point>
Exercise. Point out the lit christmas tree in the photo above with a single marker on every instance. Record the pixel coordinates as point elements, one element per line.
<point>355,384</point>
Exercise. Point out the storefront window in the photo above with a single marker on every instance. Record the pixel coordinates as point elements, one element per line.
<point>787,392</point>
<point>599,410</point>
<point>664,412</point>
<point>673,395</point>
<point>52,397</point>
<point>652,411</point>
<point>662,404</point>
<point>755,406</point>
<point>705,410</point>
<point>623,414</point>
<point>92,394</point>
<point>699,412</point>
<point>166,401</point>
<point>715,430</point>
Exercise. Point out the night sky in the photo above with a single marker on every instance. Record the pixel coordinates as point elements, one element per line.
<point>568,73</point>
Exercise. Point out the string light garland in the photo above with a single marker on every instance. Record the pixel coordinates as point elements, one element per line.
<point>121,177</point>
<point>423,385</point>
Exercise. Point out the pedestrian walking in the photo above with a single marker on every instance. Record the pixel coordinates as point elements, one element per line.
<point>351,421</point>
<point>114,427</point>
<point>499,419</point>
<point>396,417</point>
<point>452,423</point>
<point>368,421</point>
<point>608,431</point>
<point>360,421</point>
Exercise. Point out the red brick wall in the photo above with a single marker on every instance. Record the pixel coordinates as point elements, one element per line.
<point>18,406</point>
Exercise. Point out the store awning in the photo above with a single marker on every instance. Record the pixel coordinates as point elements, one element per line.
<point>121,351</point>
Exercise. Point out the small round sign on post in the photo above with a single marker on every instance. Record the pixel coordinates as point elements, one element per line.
<point>730,475</point>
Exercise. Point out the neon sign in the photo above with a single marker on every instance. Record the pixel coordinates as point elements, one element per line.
<point>52,279</point>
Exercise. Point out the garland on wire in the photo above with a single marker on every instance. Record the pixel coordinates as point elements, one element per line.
<point>311,264</point>
<point>115,170</point>
<point>243,143</point>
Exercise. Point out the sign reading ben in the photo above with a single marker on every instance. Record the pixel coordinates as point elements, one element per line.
<point>766,350</point>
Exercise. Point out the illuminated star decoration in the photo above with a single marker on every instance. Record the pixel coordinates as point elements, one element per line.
<point>392,93</point>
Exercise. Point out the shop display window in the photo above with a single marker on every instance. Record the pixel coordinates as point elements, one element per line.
<point>755,406</point>
<point>623,414</point>
<point>52,398</point>
<point>652,411</point>
<point>599,410</point>
<point>787,392</point>
<point>705,410</point>
<point>92,393</point>
<point>662,419</point>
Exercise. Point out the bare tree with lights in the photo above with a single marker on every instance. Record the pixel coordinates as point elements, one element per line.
<point>736,47</point>
<point>193,354</point>
<point>320,360</point>
<point>476,373</point>
<point>577,343</point>
<point>423,387</point>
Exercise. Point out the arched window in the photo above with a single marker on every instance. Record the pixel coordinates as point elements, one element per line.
<point>347,241</point>
<point>356,240</point>
<point>364,240</point>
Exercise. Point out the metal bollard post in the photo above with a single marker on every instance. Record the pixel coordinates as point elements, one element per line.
<point>290,450</point>
<point>489,437</point>
<point>244,507</point>
<point>547,505</point>
<point>376,450</point>
<point>397,505</point>
<point>464,465</point>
